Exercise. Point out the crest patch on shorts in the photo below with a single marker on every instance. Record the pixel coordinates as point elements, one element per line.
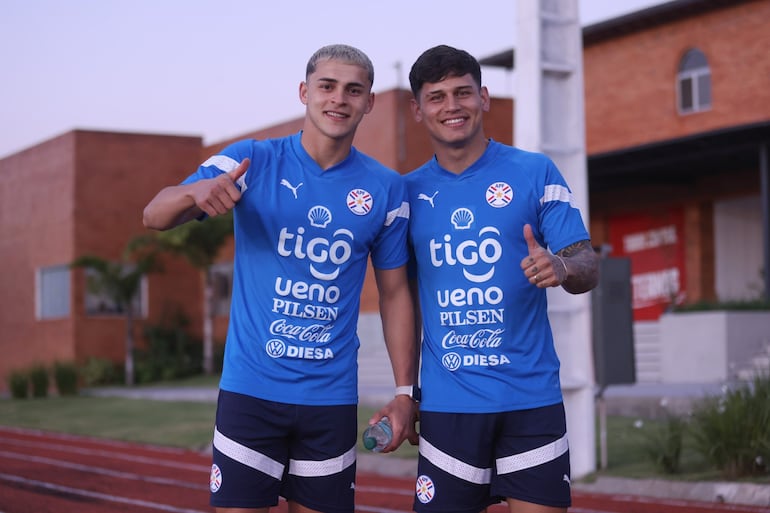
<point>215,479</point>
<point>425,489</point>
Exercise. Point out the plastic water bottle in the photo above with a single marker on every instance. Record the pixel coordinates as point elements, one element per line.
<point>377,436</point>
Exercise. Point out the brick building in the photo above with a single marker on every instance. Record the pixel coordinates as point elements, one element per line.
<point>677,116</point>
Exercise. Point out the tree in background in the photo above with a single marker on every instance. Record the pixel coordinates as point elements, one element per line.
<point>199,243</point>
<point>120,282</point>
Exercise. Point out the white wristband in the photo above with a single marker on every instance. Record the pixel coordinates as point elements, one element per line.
<point>404,390</point>
<point>413,391</point>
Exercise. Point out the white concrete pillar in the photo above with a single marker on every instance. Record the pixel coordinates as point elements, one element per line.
<point>550,118</point>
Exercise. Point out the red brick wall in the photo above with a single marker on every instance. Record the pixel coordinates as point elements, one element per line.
<point>116,176</point>
<point>630,81</point>
<point>82,192</point>
<point>36,226</point>
<point>631,100</point>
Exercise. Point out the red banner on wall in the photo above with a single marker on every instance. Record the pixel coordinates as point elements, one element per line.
<point>655,246</point>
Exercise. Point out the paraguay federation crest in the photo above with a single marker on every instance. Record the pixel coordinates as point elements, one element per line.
<point>359,202</point>
<point>425,489</point>
<point>215,478</point>
<point>499,194</point>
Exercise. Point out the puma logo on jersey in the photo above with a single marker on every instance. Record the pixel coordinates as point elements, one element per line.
<point>427,198</point>
<point>289,186</point>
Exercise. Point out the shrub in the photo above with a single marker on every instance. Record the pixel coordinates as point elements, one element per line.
<point>18,384</point>
<point>66,378</point>
<point>170,353</point>
<point>733,431</point>
<point>663,442</point>
<point>38,376</point>
<point>100,371</point>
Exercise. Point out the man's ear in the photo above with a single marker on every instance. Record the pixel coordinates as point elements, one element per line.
<point>416,111</point>
<point>485,101</point>
<point>370,104</point>
<point>303,93</point>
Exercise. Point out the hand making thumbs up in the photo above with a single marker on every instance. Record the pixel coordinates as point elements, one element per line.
<point>219,195</point>
<point>539,267</point>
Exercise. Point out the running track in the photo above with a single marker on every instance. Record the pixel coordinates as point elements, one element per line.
<point>54,473</point>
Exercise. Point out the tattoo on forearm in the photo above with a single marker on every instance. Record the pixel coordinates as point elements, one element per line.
<point>583,264</point>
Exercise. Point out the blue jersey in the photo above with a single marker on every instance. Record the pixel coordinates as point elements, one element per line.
<point>487,343</point>
<point>303,236</point>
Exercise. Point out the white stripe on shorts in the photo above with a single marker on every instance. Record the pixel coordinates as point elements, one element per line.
<point>454,466</point>
<point>532,458</point>
<point>248,457</point>
<point>312,468</point>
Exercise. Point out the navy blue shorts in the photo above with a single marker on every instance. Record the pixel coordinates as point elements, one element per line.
<point>264,449</point>
<point>470,461</point>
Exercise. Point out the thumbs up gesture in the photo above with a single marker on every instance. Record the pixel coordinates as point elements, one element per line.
<point>217,196</point>
<point>539,266</point>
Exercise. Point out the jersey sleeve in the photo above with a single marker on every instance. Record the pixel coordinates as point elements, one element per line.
<point>225,161</point>
<point>560,220</point>
<point>389,249</point>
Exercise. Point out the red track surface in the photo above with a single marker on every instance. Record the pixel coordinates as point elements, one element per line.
<point>44,472</point>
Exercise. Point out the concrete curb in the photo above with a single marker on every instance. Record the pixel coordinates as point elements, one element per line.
<point>717,492</point>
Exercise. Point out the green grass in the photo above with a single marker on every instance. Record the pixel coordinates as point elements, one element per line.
<point>177,424</point>
<point>627,457</point>
<point>182,424</point>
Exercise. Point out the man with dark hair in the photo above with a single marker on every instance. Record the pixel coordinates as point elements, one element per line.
<point>309,210</point>
<point>491,228</point>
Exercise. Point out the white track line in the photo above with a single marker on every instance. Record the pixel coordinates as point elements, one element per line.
<point>104,471</point>
<point>92,439</point>
<point>95,495</point>
<point>159,461</point>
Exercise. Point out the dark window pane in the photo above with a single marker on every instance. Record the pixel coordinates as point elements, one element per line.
<point>685,94</point>
<point>704,91</point>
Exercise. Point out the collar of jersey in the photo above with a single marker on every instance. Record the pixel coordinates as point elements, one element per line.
<point>486,157</point>
<point>311,165</point>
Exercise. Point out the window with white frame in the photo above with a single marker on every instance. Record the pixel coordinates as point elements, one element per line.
<point>53,292</point>
<point>98,302</point>
<point>694,82</point>
<point>222,281</point>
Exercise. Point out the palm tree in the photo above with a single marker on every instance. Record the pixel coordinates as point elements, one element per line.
<point>120,281</point>
<point>199,243</point>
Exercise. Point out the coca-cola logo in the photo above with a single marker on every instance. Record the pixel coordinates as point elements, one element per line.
<point>478,339</point>
<point>318,333</point>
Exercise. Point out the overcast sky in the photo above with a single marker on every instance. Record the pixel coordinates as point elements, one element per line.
<point>219,68</point>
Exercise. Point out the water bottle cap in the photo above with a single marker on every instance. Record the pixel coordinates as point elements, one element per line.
<point>370,442</point>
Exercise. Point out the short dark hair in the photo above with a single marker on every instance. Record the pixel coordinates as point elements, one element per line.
<point>440,62</point>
